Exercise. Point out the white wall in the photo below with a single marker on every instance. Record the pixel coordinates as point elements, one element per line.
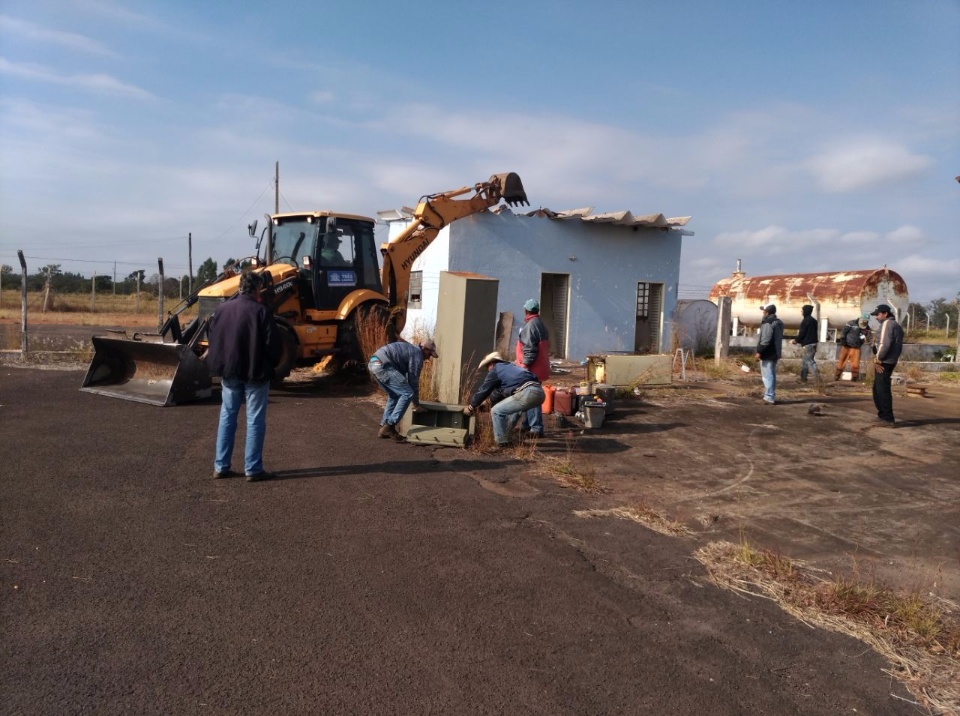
<point>436,258</point>
<point>609,262</point>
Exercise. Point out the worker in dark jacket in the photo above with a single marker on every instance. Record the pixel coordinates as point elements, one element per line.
<point>807,340</point>
<point>244,347</point>
<point>520,387</point>
<point>769,347</point>
<point>397,367</point>
<point>889,347</point>
<point>533,353</point>
<point>852,337</point>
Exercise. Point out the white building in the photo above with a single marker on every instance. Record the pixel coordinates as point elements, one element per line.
<point>606,282</point>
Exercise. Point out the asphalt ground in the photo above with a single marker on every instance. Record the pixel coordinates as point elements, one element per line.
<point>371,577</point>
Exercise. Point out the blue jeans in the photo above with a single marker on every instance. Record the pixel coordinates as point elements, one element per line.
<point>505,414</point>
<point>768,373</point>
<point>234,394</point>
<point>397,387</point>
<point>809,362</point>
<point>535,420</point>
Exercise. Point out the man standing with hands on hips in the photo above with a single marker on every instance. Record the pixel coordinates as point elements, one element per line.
<point>533,353</point>
<point>888,349</point>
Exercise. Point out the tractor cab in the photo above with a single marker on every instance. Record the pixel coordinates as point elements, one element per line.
<point>335,255</point>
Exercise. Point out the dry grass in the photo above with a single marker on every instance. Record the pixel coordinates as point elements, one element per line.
<point>75,309</point>
<point>644,514</point>
<point>568,468</point>
<point>725,370</point>
<point>919,635</point>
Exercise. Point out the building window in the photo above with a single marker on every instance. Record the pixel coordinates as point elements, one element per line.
<point>415,294</point>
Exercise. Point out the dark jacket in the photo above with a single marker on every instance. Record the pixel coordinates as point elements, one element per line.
<point>808,327</point>
<point>505,377</point>
<point>771,338</point>
<point>244,345</point>
<point>533,347</point>
<point>852,335</point>
<point>889,342</point>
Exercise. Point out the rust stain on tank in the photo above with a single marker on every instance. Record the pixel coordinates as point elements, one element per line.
<point>838,287</point>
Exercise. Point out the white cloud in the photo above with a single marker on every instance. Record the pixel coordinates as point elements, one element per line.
<point>865,163</point>
<point>98,83</point>
<point>926,266</point>
<point>906,235</point>
<point>37,33</point>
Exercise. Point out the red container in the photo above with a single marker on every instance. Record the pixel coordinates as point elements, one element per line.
<point>548,391</point>
<point>563,402</point>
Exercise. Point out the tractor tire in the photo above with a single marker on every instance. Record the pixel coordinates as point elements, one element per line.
<point>288,355</point>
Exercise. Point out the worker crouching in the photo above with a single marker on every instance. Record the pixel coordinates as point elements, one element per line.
<point>520,387</point>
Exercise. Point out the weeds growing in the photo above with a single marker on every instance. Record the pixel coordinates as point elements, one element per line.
<point>919,635</point>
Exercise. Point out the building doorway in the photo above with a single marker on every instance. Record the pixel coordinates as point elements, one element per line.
<point>554,310</point>
<point>649,308</point>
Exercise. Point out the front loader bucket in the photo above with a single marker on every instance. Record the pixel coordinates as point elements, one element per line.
<point>146,372</point>
<point>511,188</point>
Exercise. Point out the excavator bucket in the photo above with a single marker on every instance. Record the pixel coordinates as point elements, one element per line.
<point>511,188</point>
<point>146,371</point>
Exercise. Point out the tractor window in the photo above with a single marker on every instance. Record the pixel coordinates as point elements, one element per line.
<point>294,239</point>
<point>337,248</point>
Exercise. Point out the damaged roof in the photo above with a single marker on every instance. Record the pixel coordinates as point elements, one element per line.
<point>586,215</point>
<point>619,218</point>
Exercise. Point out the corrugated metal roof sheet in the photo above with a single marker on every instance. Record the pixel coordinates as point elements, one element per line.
<point>585,214</point>
<point>619,218</point>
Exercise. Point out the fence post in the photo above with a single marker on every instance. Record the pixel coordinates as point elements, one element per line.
<point>722,347</point>
<point>23,306</point>
<point>137,309</point>
<point>93,294</point>
<point>160,295</point>
<point>46,293</point>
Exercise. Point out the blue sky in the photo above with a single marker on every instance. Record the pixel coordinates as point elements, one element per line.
<point>800,137</point>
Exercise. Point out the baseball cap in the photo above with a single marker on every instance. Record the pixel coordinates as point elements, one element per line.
<point>769,308</point>
<point>882,308</point>
<point>532,305</point>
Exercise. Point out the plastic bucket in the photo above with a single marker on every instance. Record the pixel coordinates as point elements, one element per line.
<point>593,414</point>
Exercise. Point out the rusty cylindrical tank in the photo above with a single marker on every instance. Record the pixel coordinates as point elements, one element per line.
<point>843,295</point>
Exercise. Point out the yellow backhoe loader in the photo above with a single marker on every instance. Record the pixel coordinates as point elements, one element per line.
<point>322,274</point>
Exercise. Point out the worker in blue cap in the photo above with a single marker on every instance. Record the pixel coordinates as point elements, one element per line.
<point>533,353</point>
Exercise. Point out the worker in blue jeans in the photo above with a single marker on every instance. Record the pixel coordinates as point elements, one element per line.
<point>397,367</point>
<point>244,348</point>
<point>522,391</point>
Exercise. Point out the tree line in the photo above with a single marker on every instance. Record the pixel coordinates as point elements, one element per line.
<point>936,314</point>
<point>69,282</point>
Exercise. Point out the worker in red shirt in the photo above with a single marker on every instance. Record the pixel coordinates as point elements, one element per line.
<point>533,353</point>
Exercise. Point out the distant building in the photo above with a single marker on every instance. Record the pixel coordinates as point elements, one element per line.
<point>605,282</point>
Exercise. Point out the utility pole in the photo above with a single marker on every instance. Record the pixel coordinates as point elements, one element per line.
<point>276,188</point>
<point>160,280</point>
<point>23,306</point>
<point>190,263</point>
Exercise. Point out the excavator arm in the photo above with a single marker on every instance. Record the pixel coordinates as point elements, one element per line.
<point>431,215</point>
